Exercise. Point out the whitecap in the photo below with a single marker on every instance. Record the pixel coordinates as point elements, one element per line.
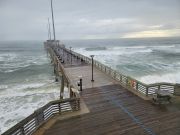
<point>156,78</point>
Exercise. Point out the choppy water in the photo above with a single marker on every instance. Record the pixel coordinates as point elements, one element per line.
<point>148,60</point>
<point>26,81</point>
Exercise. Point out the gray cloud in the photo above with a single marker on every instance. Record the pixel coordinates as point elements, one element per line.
<point>75,19</point>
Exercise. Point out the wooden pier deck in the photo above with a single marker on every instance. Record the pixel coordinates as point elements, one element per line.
<point>113,110</point>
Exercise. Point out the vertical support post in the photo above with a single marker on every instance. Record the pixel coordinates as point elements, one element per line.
<point>49,30</point>
<point>71,54</point>
<point>177,89</point>
<point>159,88</point>
<point>92,56</point>
<point>62,87</point>
<point>127,81</point>
<point>146,91</point>
<point>53,21</point>
<point>22,130</point>
<point>59,105</point>
<point>115,75</point>
<point>80,83</point>
<point>136,85</point>
<point>121,78</point>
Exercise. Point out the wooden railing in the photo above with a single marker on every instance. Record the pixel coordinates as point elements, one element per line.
<point>40,116</point>
<point>60,70</point>
<point>126,81</point>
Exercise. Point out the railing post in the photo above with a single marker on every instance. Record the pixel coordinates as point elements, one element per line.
<point>59,105</point>
<point>121,78</point>
<point>22,130</point>
<point>77,104</point>
<point>127,82</point>
<point>80,81</point>
<point>158,88</point>
<point>114,74</point>
<point>39,117</point>
<point>62,87</point>
<point>137,85</point>
<point>177,89</point>
<point>146,91</point>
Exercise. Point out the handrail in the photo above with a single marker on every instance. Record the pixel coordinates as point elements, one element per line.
<point>126,81</point>
<point>29,125</point>
<point>71,85</point>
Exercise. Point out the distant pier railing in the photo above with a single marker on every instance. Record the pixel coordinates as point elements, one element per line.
<point>126,81</point>
<point>59,69</point>
<point>30,124</point>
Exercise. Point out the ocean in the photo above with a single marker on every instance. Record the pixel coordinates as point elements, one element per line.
<point>149,60</point>
<point>27,81</point>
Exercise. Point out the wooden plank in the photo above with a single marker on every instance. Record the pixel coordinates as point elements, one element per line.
<point>107,118</point>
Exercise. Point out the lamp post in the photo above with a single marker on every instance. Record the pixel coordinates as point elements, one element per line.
<point>70,54</point>
<point>80,83</point>
<point>92,56</point>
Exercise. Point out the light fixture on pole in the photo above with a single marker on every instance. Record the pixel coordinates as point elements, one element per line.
<point>92,56</point>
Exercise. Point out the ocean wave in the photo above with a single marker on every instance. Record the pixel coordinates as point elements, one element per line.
<point>15,67</point>
<point>95,48</point>
<point>27,88</point>
<point>8,56</point>
<point>11,62</point>
<point>14,109</point>
<point>112,52</point>
<point>163,46</point>
<point>128,47</point>
<point>155,78</point>
<point>17,108</point>
<point>2,87</point>
<point>140,47</point>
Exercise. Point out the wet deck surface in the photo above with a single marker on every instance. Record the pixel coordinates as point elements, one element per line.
<point>100,79</point>
<point>115,111</point>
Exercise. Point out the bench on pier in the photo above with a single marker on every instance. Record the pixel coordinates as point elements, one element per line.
<point>162,97</point>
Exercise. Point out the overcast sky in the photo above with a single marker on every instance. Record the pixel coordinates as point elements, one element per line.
<point>89,19</point>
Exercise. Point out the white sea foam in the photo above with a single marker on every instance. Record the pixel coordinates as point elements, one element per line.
<point>127,47</point>
<point>140,47</point>
<point>18,102</point>
<point>112,52</point>
<point>8,56</point>
<point>2,87</point>
<point>163,46</point>
<point>18,63</point>
<point>169,77</point>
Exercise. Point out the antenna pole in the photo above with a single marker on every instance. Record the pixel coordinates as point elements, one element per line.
<point>53,21</point>
<point>49,30</point>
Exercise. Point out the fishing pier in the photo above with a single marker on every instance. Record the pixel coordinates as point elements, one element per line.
<point>100,101</point>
